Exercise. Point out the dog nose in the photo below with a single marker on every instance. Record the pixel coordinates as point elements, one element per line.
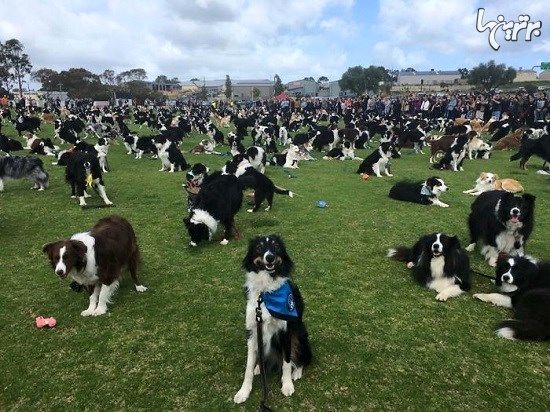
<point>506,278</point>
<point>59,272</point>
<point>515,211</point>
<point>435,247</point>
<point>270,258</point>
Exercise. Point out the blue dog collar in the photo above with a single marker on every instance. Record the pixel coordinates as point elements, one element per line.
<point>280,303</point>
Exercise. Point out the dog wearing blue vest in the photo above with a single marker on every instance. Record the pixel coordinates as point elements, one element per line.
<point>268,270</point>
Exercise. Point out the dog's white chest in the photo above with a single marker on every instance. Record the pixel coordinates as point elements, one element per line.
<point>505,241</point>
<point>437,265</point>
<point>89,275</point>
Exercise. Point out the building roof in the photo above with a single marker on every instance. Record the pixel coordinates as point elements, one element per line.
<point>260,82</point>
<point>430,73</point>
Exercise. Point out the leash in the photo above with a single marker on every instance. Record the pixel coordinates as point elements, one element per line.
<point>482,274</point>
<point>260,341</point>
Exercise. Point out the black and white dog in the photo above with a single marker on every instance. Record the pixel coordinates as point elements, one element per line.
<point>439,263</point>
<point>170,155</point>
<point>194,179</point>
<point>32,168</point>
<point>502,222</point>
<point>378,161</point>
<point>529,147</point>
<point>424,193</point>
<point>454,156</point>
<point>342,153</point>
<point>256,156</point>
<point>264,188</point>
<point>526,283</point>
<point>8,145</point>
<point>288,159</point>
<point>218,201</point>
<point>82,170</point>
<point>268,270</point>
<point>139,145</point>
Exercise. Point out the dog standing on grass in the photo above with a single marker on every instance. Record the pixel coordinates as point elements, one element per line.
<point>95,259</point>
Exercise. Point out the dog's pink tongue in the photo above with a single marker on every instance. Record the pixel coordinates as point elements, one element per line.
<point>514,220</point>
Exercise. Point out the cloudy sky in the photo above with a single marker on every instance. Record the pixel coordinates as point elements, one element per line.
<point>258,38</point>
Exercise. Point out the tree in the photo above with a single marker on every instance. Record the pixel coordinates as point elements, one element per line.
<point>15,62</point>
<point>322,79</point>
<point>490,75</point>
<point>256,92</point>
<point>131,75</point>
<point>228,88</point>
<point>203,93</point>
<point>108,77</point>
<point>48,78</point>
<point>278,87</point>
<point>311,79</point>
<point>359,79</point>
<point>464,72</point>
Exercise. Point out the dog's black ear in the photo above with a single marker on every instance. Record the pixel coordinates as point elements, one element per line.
<point>248,260</point>
<point>529,200</point>
<point>287,264</point>
<point>48,247</point>
<point>454,242</point>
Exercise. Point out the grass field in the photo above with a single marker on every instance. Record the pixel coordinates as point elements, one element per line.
<point>380,341</point>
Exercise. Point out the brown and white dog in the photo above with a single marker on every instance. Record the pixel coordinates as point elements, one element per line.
<point>490,181</point>
<point>95,259</point>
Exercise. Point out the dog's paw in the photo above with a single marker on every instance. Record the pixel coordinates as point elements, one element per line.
<point>297,373</point>
<point>108,202</point>
<point>442,297</point>
<point>249,210</point>
<point>87,312</point>
<point>471,247</point>
<point>484,297</point>
<point>257,370</point>
<point>141,288</point>
<point>224,242</point>
<point>100,310</point>
<point>505,333</point>
<point>410,265</point>
<point>242,395</point>
<point>288,388</point>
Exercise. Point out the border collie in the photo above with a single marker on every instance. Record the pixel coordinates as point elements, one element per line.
<point>342,153</point>
<point>529,147</point>
<point>194,179</point>
<point>82,169</point>
<point>454,156</point>
<point>16,167</point>
<point>377,162</point>
<point>218,201</point>
<point>424,193</point>
<point>8,145</point>
<point>170,155</point>
<point>95,259</point>
<point>289,159</point>
<point>140,145</point>
<point>527,284</point>
<point>439,263</point>
<point>256,156</point>
<point>268,270</point>
<point>490,181</point>
<point>502,222</point>
<point>477,147</point>
<point>263,186</point>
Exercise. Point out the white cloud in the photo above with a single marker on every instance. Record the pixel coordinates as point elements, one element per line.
<point>243,38</point>
<point>429,33</point>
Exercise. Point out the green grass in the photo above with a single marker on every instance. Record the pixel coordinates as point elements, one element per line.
<point>380,341</point>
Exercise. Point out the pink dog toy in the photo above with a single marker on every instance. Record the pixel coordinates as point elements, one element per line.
<point>42,322</point>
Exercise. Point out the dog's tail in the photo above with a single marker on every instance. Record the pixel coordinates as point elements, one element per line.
<point>515,157</point>
<point>524,329</point>
<point>303,354</point>
<point>401,254</point>
<point>281,191</point>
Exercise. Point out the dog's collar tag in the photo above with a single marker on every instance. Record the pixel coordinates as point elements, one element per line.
<point>280,303</point>
<point>425,190</point>
<point>89,180</point>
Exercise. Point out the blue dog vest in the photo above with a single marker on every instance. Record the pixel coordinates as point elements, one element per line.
<point>280,303</point>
